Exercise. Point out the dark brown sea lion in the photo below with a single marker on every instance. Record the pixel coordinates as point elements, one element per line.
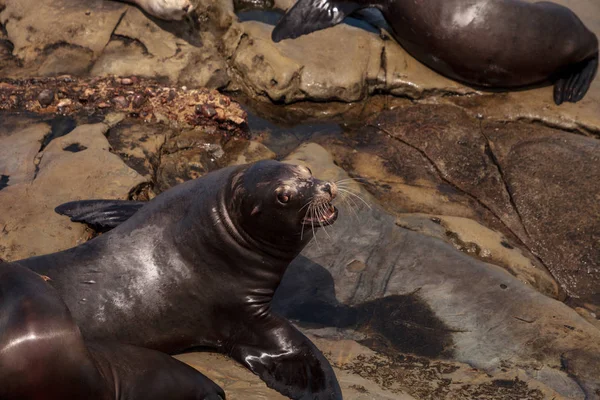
<point>44,356</point>
<point>495,44</point>
<point>197,267</point>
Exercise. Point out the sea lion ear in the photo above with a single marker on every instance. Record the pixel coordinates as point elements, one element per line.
<point>307,16</point>
<point>255,210</point>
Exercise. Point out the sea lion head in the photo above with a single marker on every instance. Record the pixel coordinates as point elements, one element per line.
<point>281,204</point>
<point>170,10</point>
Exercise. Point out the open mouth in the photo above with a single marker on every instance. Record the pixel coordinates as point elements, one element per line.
<point>324,215</point>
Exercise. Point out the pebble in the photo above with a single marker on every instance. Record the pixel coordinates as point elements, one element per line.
<point>139,100</point>
<point>207,111</point>
<point>126,81</point>
<point>64,103</point>
<point>46,97</point>
<point>103,105</point>
<point>121,101</point>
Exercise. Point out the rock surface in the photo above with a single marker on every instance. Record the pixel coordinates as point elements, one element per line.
<point>406,291</point>
<point>348,62</point>
<point>78,165</point>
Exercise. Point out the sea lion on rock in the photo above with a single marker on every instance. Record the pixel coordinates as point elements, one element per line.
<point>170,10</point>
<point>496,44</point>
<point>43,355</point>
<point>198,266</point>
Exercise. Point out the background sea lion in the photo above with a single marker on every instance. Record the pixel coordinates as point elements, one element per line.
<point>500,44</point>
<point>198,266</point>
<point>44,356</point>
<point>170,10</point>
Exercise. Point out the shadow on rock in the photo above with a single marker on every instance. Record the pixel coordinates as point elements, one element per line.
<point>397,323</point>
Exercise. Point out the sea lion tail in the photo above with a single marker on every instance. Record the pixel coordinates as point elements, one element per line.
<point>100,214</point>
<point>307,16</point>
<point>574,84</point>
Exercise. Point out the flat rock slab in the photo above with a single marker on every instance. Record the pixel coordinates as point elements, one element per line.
<point>405,290</point>
<point>519,179</point>
<point>78,165</point>
<point>342,63</point>
<point>365,375</point>
<point>554,179</point>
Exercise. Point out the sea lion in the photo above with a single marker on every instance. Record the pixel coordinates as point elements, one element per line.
<point>44,356</point>
<point>170,10</point>
<point>494,44</point>
<point>198,266</point>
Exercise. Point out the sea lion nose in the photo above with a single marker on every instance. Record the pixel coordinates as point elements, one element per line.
<point>186,8</point>
<point>329,188</point>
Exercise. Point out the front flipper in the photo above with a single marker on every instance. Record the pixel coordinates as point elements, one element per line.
<point>575,82</point>
<point>102,215</point>
<point>307,16</point>
<point>288,362</point>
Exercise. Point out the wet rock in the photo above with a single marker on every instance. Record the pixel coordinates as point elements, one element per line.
<point>239,152</point>
<point>27,205</point>
<point>495,322</point>
<point>139,146</point>
<point>188,155</point>
<point>46,97</point>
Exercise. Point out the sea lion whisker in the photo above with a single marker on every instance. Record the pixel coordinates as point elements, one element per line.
<point>346,200</point>
<point>322,218</point>
<point>345,196</point>
<point>312,223</point>
<point>308,203</point>
<point>350,179</point>
<point>355,195</point>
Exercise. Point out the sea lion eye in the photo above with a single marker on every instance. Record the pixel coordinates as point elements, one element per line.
<point>284,197</point>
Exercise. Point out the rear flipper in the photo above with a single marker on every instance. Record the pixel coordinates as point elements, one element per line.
<point>307,16</point>
<point>151,375</point>
<point>102,215</point>
<point>575,82</point>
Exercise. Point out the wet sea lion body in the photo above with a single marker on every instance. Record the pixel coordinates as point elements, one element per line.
<point>494,44</point>
<point>198,266</point>
<point>44,356</point>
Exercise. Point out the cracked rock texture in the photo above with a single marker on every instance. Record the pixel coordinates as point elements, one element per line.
<point>403,289</point>
<point>107,38</point>
<point>537,186</point>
